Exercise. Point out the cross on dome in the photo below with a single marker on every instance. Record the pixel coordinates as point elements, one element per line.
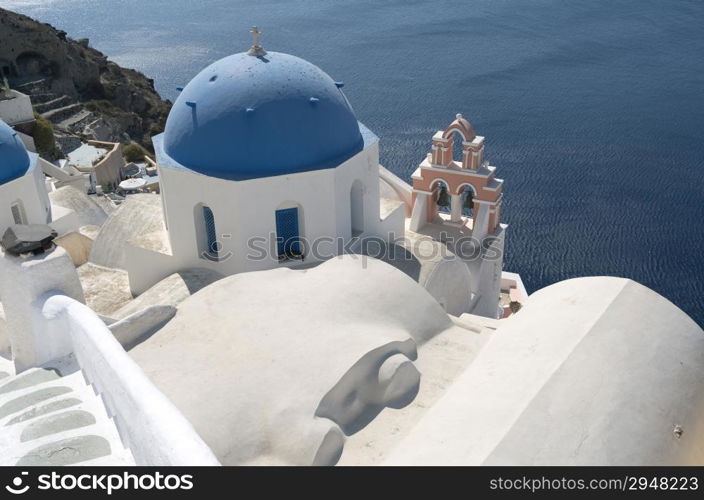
<point>256,49</point>
<point>256,35</point>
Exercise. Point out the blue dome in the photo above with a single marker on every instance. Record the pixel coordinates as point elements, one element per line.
<point>245,117</point>
<point>14,160</point>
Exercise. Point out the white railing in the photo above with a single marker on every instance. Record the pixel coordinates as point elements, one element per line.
<point>156,432</point>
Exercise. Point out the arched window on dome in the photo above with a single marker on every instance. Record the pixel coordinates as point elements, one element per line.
<point>357,208</point>
<point>18,214</point>
<point>206,236</point>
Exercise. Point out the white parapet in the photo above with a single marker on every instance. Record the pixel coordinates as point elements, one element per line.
<point>24,281</point>
<point>41,297</point>
<point>154,430</point>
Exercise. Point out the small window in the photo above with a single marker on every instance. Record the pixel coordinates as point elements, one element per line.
<point>206,236</point>
<point>212,240</point>
<point>18,213</point>
<point>357,208</point>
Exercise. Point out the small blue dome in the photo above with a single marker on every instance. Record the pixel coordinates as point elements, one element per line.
<point>245,117</point>
<point>14,160</point>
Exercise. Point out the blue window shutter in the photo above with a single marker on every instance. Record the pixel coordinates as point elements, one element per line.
<point>287,236</point>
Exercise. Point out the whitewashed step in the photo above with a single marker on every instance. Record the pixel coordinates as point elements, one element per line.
<point>50,419</point>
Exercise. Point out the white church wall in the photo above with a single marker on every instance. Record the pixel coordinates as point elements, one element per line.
<point>246,209</point>
<point>29,190</point>
<point>358,169</point>
<point>363,168</point>
<point>245,218</point>
<point>486,277</point>
<point>312,191</point>
<point>243,210</point>
<point>10,193</point>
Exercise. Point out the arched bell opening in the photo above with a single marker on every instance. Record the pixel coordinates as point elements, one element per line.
<point>441,196</point>
<point>467,199</point>
<point>457,146</point>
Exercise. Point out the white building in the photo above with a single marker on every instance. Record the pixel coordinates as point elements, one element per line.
<point>23,195</point>
<point>262,164</point>
<point>352,361</point>
<point>360,366</point>
<point>15,107</point>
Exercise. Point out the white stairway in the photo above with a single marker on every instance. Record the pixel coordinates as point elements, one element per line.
<point>50,416</point>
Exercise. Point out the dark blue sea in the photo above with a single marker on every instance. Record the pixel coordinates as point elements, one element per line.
<point>593,110</point>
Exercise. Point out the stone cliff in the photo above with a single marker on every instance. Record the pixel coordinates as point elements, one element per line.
<point>76,87</point>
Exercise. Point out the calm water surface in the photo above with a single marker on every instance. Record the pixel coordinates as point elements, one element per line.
<point>593,111</point>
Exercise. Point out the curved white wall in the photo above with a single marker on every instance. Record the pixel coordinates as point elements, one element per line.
<point>591,371</point>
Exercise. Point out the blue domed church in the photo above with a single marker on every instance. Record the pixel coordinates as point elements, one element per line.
<point>263,164</point>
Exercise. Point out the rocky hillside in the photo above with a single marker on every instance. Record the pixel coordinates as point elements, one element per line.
<point>76,87</point>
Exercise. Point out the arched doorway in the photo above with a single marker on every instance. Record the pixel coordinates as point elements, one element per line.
<point>357,208</point>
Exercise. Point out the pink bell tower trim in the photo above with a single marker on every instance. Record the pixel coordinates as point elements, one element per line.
<point>472,174</point>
